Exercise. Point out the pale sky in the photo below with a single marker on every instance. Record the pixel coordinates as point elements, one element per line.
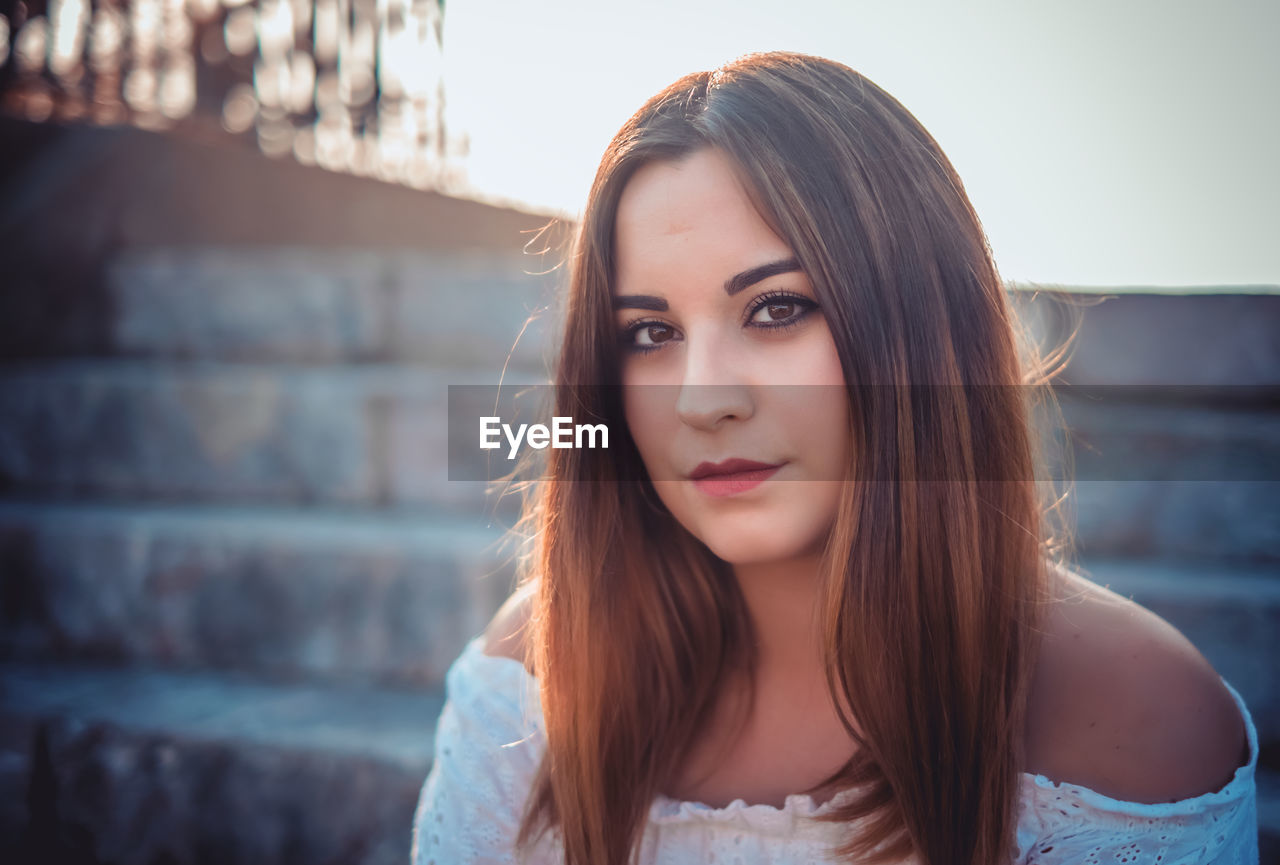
<point>1103,142</point>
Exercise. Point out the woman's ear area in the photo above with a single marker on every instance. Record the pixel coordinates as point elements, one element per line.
<point>507,633</point>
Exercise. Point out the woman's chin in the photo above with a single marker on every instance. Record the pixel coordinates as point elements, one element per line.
<point>743,548</point>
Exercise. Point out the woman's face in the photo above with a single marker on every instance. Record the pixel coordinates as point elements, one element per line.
<point>726,354</point>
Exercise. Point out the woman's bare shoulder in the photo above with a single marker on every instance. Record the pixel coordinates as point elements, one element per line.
<point>1124,704</point>
<point>507,633</point>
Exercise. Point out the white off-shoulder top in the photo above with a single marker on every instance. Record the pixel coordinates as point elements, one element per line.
<point>490,739</point>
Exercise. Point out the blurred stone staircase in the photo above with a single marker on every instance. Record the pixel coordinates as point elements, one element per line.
<point>233,570</point>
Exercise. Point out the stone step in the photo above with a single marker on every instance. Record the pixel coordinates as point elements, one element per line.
<point>301,594</point>
<point>1232,615</point>
<point>1171,434</point>
<point>370,435</point>
<point>299,305</point>
<point>142,766</point>
<point>1134,336</point>
<point>1173,472</point>
<point>1235,521</point>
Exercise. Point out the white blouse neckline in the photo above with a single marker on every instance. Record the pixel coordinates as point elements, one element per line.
<point>665,809</point>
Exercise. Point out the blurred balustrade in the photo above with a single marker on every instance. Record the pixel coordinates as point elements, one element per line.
<point>354,86</point>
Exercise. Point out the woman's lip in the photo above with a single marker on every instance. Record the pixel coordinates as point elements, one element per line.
<point>732,466</point>
<point>733,483</point>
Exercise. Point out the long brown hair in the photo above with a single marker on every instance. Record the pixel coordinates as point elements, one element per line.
<point>934,572</point>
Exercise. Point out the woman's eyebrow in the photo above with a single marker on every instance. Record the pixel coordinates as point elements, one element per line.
<point>639,301</point>
<point>732,286</point>
<point>748,278</point>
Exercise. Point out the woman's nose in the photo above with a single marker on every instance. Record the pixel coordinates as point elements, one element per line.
<point>714,387</point>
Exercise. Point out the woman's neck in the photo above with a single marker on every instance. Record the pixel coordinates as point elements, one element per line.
<point>781,600</point>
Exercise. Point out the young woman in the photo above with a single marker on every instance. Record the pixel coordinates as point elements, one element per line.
<point>803,608</point>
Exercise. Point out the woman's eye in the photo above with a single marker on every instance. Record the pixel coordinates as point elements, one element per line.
<point>645,335</point>
<point>772,311</point>
<point>652,334</point>
<point>780,311</point>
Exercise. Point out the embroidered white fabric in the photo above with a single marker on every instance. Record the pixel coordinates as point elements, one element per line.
<point>490,738</point>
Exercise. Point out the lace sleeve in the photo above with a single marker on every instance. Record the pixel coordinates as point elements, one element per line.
<point>1219,837</point>
<point>1073,824</point>
<point>486,753</point>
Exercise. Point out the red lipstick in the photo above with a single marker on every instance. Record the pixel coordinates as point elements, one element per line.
<point>731,476</point>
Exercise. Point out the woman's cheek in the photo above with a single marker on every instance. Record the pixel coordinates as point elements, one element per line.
<point>645,425</point>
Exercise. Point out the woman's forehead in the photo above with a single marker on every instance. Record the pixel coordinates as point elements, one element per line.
<point>689,213</point>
